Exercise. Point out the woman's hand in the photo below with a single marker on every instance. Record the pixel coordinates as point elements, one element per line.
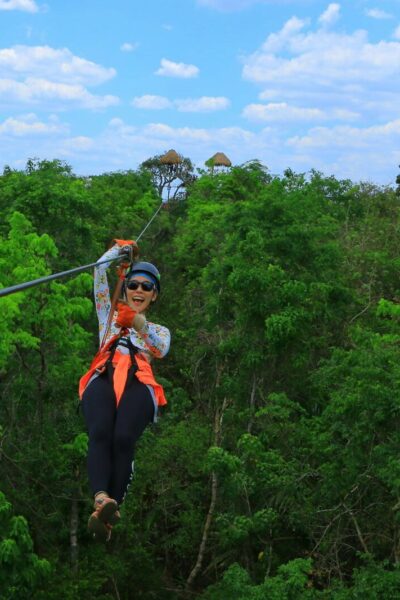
<point>128,247</point>
<point>139,322</point>
<point>125,316</point>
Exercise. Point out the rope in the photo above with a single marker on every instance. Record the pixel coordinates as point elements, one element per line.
<point>28,284</point>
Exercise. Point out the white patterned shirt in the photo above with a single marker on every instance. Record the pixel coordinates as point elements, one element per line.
<point>153,340</point>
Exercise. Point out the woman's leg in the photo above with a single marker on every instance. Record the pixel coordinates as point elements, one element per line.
<point>98,404</point>
<point>135,412</point>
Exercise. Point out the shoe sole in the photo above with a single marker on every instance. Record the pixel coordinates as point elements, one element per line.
<point>98,529</point>
<point>108,513</point>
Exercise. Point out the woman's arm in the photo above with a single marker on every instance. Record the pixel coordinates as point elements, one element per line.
<point>157,339</point>
<point>101,289</point>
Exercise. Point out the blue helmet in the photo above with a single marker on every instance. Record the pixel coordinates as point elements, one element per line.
<point>145,268</point>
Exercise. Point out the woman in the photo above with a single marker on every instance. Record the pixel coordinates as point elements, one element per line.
<point>120,396</point>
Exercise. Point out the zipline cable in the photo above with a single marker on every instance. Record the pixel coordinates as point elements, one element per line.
<point>152,219</point>
<point>28,284</point>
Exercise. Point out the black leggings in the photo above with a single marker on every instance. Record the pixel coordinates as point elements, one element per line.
<point>113,432</point>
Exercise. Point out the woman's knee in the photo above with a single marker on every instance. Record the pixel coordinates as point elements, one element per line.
<point>100,434</point>
<point>123,442</point>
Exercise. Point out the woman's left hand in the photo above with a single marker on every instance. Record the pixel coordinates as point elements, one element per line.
<point>139,322</point>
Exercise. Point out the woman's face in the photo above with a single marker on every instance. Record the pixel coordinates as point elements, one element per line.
<point>140,299</point>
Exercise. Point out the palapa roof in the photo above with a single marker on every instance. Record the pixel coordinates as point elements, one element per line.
<point>170,158</point>
<point>220,160</point>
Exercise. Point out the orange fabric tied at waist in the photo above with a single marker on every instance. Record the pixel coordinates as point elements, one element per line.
<point>122,363</point>
<point>145,375</point>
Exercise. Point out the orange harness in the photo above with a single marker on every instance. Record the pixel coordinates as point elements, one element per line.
<point>122,363</point>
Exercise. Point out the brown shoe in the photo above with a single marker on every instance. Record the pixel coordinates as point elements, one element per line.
<point>100,532</point>
<point>106,509</point>
<point>105,515</point>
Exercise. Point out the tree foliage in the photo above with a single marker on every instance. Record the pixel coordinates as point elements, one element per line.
<point>274,470</point>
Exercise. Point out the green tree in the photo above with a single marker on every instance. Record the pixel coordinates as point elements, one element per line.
<point>21,570</point>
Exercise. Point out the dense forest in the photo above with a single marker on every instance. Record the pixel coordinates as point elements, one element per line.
<point>274,471</point>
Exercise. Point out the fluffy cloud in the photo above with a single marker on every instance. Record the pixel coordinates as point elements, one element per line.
<point>25,5</point>
<point>128,47</point>
<point>52,63</point>
<point>348,137</point>
<point>347,151</point>
<point>151,102</point>
<point>285,113</point>
<point>169,68</point>
<point>41,74</point>
<point>331,15</point>
<point>29,125</point>
<point>377,13</point>
<point>203,104</point>
<point>43,91</point>
<point>281,111</point>
<point>321,57</point>
<point>334,71</point>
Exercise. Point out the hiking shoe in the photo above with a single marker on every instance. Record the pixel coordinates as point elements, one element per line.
<point>101,532</point>
<point>106,510</point>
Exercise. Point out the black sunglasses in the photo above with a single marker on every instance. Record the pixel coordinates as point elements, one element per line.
<point>133,284</point>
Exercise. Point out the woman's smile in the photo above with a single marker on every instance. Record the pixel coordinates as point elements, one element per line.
<point>140,299</point>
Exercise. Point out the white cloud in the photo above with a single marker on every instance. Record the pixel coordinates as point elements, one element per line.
<point>322,58</point>
<point>331,15</point>
<point>39,91</point>
<point>281,111</point>
<point>278,41</point>
<point>203,104</point>
<point>169,68</point>
<point>160,130</point>
<point>128,47</point>
<point>29,125</point>
<point>151,102</point>
<point>377,13</point>
<point>343,114</point>
<point>348,137</point>
<point>52,63</point>
<point>80,143</point>
<point>25,5</point>
<point>396,33</point>
<point>41,74</point>
<point>286,113</point>
<point>354,152</point>
<point>343,74</point>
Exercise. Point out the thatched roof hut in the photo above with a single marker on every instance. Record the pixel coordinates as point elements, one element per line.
<point>170,158</point>
<point>220,160</point>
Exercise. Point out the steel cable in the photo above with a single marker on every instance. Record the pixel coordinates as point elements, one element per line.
<point>28,284</point>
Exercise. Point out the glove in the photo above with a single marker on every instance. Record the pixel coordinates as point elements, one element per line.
<point>128,247</point>
<point>125,316</point>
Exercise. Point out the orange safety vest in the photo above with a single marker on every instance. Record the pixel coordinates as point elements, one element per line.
<point>122,363</point>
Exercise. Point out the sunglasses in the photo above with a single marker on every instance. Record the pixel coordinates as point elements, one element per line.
<point>147,286</point>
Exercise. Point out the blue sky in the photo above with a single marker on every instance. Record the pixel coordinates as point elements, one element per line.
<point>305,84</point>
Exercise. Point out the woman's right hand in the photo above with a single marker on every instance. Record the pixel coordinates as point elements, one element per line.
<point>125,315</point>
<point>128,248</point>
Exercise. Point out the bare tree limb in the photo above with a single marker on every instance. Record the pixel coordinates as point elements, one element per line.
<point>214,491</point>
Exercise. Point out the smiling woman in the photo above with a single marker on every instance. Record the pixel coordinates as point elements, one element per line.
<point>120,396</point>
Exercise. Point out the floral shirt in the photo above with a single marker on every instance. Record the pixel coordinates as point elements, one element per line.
<point>153,340</point>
